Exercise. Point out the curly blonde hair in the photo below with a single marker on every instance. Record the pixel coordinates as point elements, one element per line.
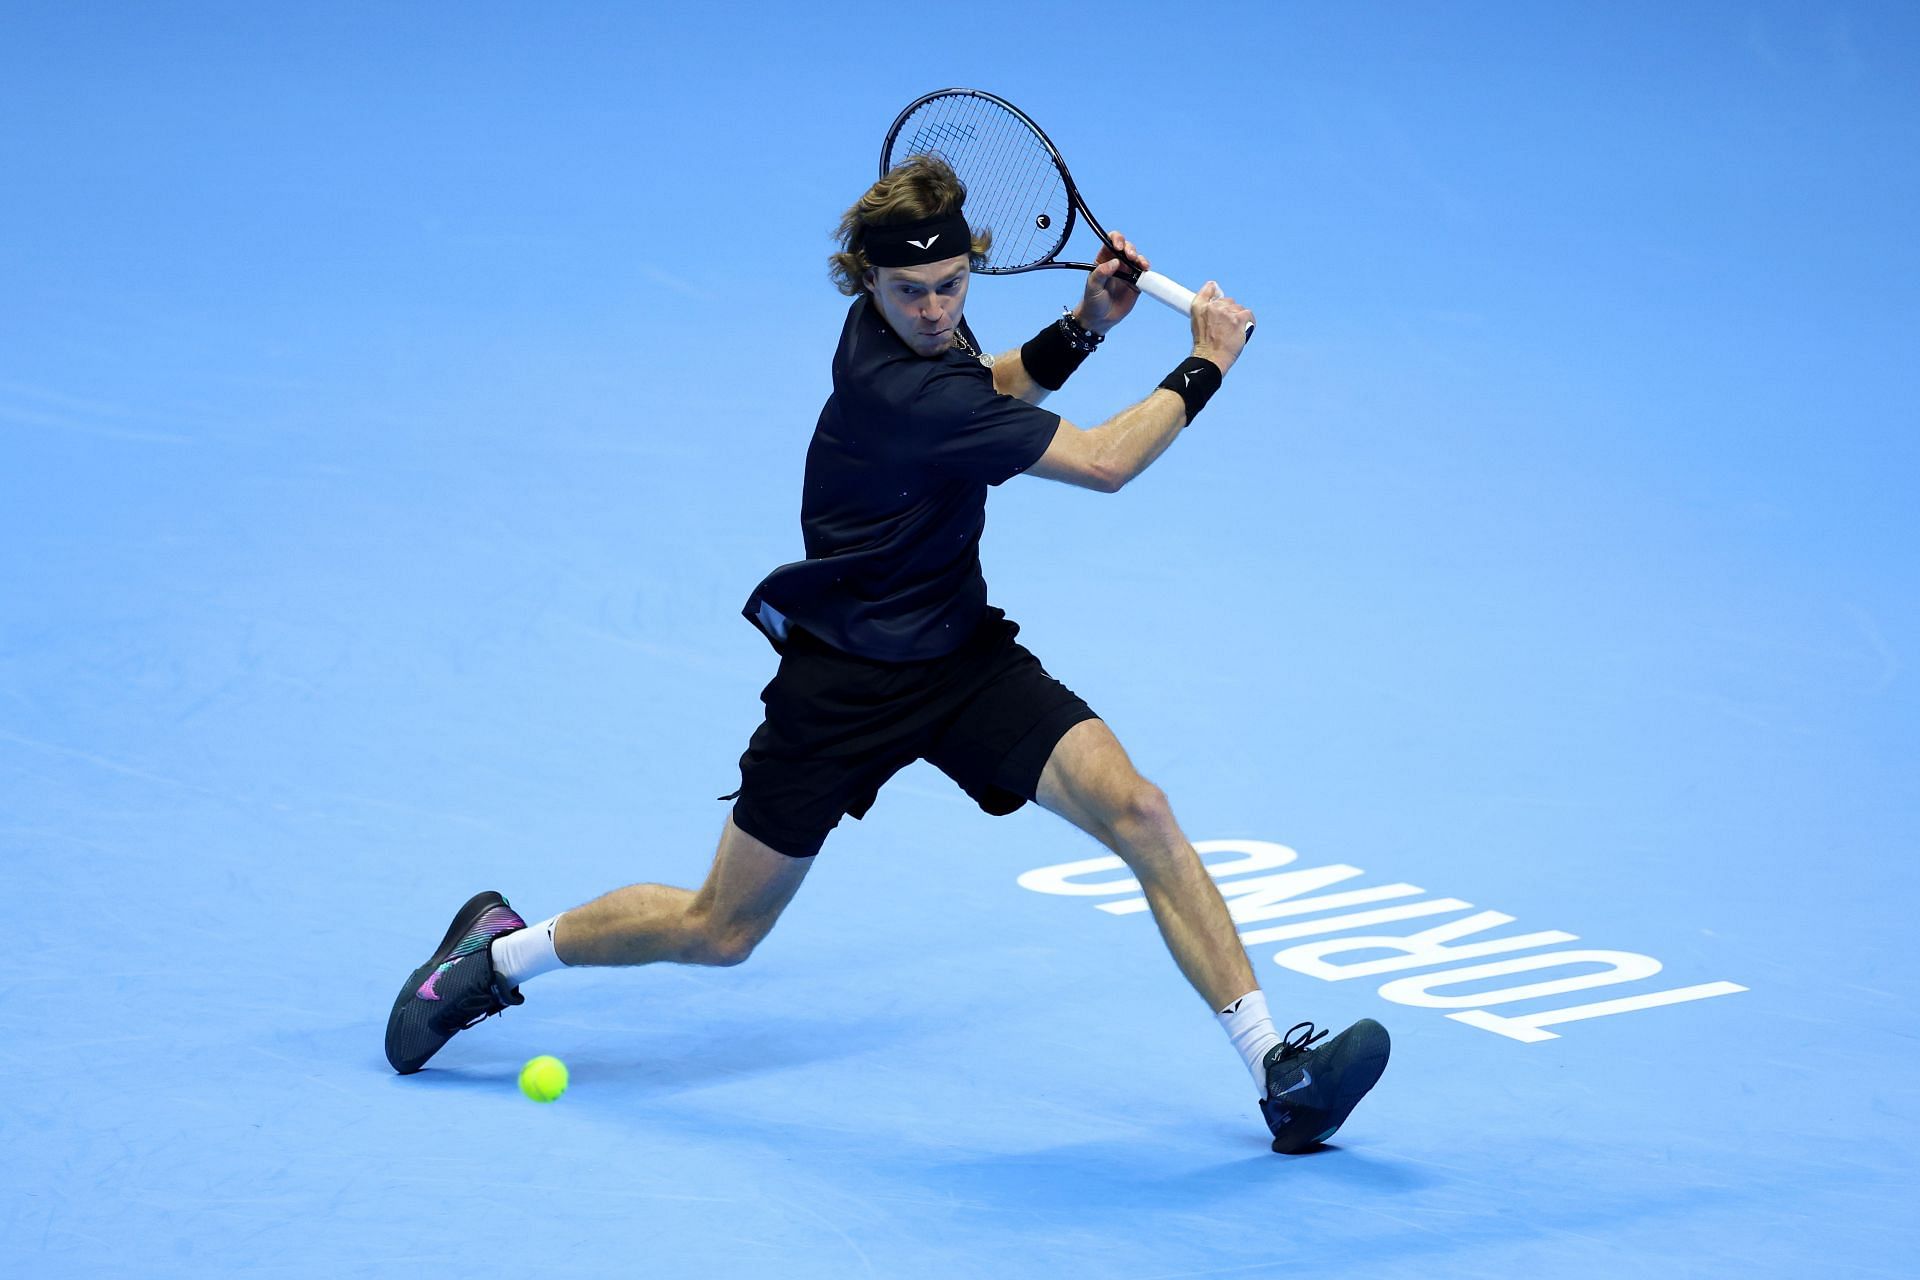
<point>919,187</point>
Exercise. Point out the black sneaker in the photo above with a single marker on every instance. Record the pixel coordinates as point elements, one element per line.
<point>1311,1091</point>
<point>454,989</point>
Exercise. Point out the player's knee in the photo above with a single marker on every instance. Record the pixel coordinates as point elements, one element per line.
<point>726,950</point>
<point>723,946</point>
<point>1142,812</point>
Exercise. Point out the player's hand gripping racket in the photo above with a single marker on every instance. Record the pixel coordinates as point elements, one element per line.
<point>1018,187</point>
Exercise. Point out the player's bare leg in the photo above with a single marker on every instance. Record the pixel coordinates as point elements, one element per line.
<point>1090,782</point>
<point>747,888</point>
<point>1306,1092</point>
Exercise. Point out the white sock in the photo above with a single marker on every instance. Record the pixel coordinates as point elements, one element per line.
<point>1250,1027</point>
<point>526,953</point>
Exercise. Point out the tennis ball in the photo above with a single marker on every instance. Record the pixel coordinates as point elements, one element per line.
<point>543,1078</point>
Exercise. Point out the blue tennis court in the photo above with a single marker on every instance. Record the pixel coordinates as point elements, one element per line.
<point>397,404</point>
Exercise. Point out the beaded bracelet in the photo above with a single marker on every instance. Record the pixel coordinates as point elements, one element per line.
<point>1082,338</point>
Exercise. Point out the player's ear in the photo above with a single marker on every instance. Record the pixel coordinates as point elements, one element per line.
<point>870,278</point>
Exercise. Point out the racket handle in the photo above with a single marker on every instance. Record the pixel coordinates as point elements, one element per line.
<point>1171,292</point>
<point>1162,289</point>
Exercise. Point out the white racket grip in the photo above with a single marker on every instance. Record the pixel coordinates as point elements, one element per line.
<point>1171,292</point>
<point>1162,289</point>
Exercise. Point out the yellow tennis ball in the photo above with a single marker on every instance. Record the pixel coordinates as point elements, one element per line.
<point>543,1078</point>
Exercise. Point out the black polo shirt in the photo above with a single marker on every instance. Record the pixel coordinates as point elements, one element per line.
<point>896,497</point>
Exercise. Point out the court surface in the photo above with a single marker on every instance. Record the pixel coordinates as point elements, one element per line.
<point>396,407</point>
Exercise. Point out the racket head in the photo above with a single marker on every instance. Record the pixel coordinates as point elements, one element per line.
<point>1017,185</point>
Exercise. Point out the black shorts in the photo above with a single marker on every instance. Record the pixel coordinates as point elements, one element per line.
<point>838,726</point>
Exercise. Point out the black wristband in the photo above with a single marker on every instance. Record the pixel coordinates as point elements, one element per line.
<point>1051,355</point>
<point>1194,381</point>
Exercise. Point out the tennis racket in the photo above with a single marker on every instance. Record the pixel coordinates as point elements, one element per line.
<point>1017,184</point>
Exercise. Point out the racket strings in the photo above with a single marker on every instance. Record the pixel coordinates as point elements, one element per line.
<point>1021,187</point>
<point>1014,189</point>
<point>1014,166</point>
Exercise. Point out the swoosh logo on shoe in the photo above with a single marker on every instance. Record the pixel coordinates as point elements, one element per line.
<point>1306,1078</point>
<point>426,991</point>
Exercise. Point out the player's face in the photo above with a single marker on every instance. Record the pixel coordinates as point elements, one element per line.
<point>923,304</point>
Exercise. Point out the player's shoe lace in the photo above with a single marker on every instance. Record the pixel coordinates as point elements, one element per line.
<point>1290,1047</point>
<point>476,1006</point>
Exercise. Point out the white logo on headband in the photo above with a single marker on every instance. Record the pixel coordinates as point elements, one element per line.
<point>923,244</point>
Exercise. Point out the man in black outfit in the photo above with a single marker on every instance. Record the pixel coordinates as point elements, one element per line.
<point>889,653</point>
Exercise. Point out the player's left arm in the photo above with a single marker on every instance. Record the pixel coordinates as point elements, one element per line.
<point>1106,302</point>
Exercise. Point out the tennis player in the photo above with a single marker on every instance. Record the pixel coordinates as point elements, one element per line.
<point>890,653</point>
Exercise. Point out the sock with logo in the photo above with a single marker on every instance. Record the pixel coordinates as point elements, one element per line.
<point>1250,1027</point>
<point>526,953</point>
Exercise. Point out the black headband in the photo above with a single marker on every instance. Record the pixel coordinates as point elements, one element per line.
<point>913,244</point>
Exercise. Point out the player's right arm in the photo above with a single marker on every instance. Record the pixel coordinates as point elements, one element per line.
<point>1106,457</point>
